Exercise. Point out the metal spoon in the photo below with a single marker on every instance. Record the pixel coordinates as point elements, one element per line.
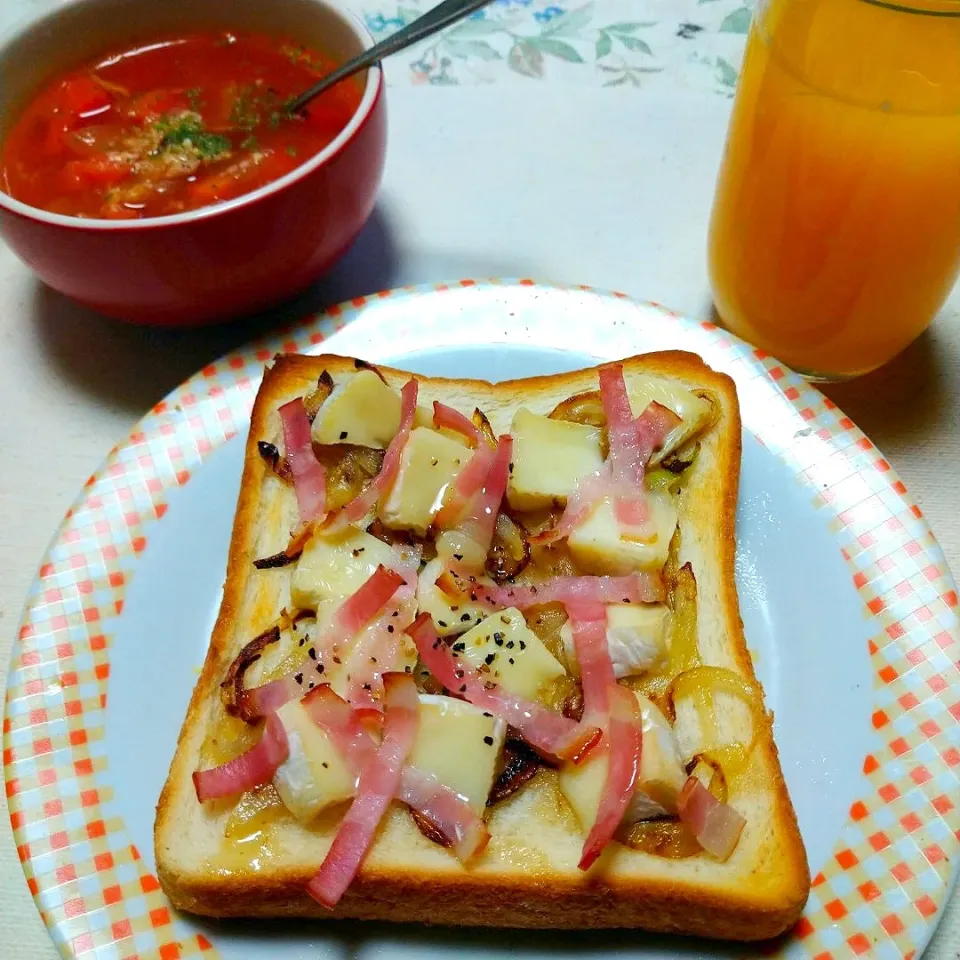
<point>442,15</point>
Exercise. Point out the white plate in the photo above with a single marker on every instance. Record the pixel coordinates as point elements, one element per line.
<point>848,606</point>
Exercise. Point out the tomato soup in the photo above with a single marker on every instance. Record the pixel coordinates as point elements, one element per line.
<point>172,125</point>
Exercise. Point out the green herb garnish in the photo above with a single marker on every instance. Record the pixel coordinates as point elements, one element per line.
<point>248,143</point>
<point>188,131</point>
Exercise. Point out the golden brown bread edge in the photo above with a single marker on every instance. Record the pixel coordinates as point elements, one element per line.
<point>759,903</point>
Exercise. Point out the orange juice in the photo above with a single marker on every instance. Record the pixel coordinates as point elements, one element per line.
<point>835,235</point>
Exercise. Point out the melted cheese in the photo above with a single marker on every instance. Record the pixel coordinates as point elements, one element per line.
<point>660,780</point>
<point>428,465</point>
<point>460,745</point>
<point>314,776</point>
<point>450,615</point>
<point>635,638</point>
<point>549,458</point>
<point>333,568</point>
<point>598,548</point>
<point>362,410</point>
<point>508,653</point>
<point>692,410</point>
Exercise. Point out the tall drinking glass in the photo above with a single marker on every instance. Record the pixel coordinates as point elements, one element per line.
<point>835,234</point>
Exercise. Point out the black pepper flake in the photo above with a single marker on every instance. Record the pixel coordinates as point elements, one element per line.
<point>310,685</point>
<point>464,617</point>
<point>463,688</point>
<point>319,668</point>
<point>343,434</point>
<point>510,660</point>
<point>436,644</point>
<point>458,674</point>
<point>473,597</point>
<point>338,661</point>
<point>433,461</point>
<point>367,686</point>
<point>324,764</point>
<point>511,468</point>
<point>523,644</point>
<point>441,623</point>
<point>489,658</point>
<point>498,638</point>
<point>373,659</point>
<point>488,741</point>
<point>459,647</point>
<point>626,599</point>
<point>303,640</point>
<point>389,628</point>
<point>408,669</point>
<point>298,677</point>
<point>312,653</point>
<point>533,589</point>
<point>487,714</point>
<point>458,556</point>
<point>396,613</point>
<point>510,644</point>
<point>454,609</point>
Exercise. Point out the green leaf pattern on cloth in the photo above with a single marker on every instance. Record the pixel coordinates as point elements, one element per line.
<point>691,44</point>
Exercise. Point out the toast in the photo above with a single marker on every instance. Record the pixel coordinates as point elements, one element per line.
<point>252,858</point>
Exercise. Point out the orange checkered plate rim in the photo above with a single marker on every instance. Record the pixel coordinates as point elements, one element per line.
<point>882,875</point>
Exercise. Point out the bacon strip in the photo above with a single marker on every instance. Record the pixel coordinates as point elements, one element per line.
<point>446,810</point>
<point>351,616</point>
<point>466,545</point>
<point>634,588</point>
<point>250,769</point>
<point>447,418</point>
<point>551,734</point>
<point>378,785</point>
<point>468,482</point>
<point>423,792</point>
<point>615,709</point>
<point>309,477</point>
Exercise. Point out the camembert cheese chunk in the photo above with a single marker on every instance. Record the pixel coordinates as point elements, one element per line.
<point>635,638</point>
<point>362,410</point>
<point>508,653</point>
<point>314,775</point>
<point>549,458</point>
<point>333,568</point>
<point>428,465</point>
<point>597,545</point>
<point>659,783</point>
<point>460,745</point>
<point>450,615</point>
<point>692,410</point>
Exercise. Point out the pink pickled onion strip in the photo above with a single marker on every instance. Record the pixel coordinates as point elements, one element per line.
<point>309,477</point>
<point>357,610</point>
<point>337,717</point>
<point>361,505</point>
<point>445,417</point>
<point>446,810</point>
<point>552,734</point>
<point>378,785</point>
<point>633,588</point>
<point>421,791</point>
<point>717,826</point>
<point>250,769</point>
<point>615,708</point>
<point>465,486</point>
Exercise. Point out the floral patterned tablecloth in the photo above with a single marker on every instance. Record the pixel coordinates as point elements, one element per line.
<point>693,44</point>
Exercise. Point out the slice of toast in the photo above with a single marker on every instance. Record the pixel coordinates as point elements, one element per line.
<point>528,876</point>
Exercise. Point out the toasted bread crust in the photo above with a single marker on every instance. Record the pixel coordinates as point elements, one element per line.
<point>758,894</point>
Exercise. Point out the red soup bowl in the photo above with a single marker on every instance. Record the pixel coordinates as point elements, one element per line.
<point>214,262</point>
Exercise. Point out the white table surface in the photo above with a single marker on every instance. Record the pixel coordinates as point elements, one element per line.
<point>559,181</point>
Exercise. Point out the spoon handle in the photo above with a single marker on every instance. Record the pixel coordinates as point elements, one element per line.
<point>442,15</point>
